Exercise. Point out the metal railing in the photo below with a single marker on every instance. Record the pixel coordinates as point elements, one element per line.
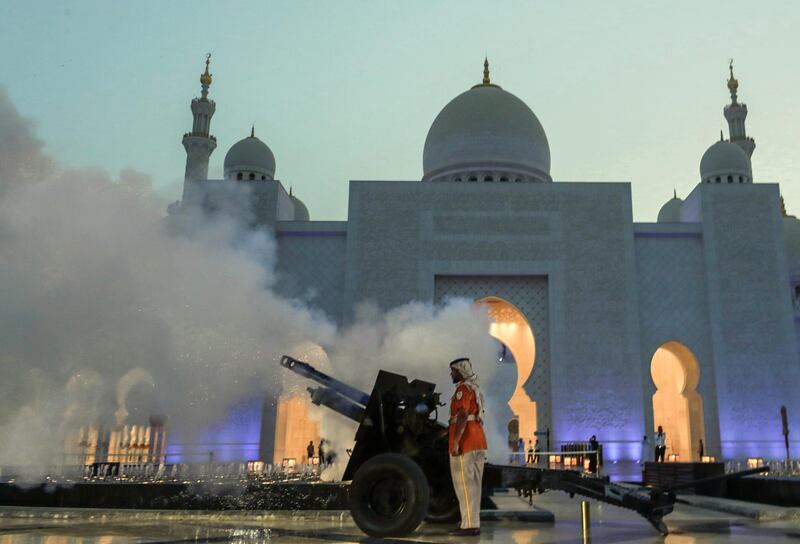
<point>777,468</point>
<point>149,472</point>
<point>577,461</point>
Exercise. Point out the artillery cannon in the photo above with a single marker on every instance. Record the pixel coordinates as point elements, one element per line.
<point>399,467</point>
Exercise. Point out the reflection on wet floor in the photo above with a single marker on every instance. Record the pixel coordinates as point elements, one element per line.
<point>609,525</point>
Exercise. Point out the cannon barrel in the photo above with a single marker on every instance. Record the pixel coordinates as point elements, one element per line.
<point>331,399</point>
<point>308,371</point>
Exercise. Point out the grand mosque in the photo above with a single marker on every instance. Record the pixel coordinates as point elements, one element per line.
<point>690,321</point>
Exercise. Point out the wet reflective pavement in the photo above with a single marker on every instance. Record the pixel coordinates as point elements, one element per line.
<point>688,525</point>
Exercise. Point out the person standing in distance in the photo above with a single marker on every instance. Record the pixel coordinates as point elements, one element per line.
<point>467,443</point>
<point>594,446</point>
<point>661,444</point>
<point>310,451</point>
<point>321,451</point>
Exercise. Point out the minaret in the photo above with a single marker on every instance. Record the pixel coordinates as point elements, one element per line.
<point>736,113</point>
<point>199,144</point>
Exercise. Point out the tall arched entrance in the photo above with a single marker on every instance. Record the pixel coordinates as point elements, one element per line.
<point>677,406</point>
<point>297,420</point>
<point>511,328</point>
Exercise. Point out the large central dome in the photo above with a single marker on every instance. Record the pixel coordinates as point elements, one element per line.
<point>250,159</point>
<point>486,134</point>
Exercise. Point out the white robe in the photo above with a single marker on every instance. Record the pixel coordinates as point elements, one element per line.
<point>467,472</point>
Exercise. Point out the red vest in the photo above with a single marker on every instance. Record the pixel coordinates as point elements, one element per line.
<point>473,437</point>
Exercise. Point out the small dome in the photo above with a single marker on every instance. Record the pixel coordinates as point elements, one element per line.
<point>791,232</point>
<point>486,134</point>
<point>671,211</point>
<point>725,162</point>
<point>250,156</point>
<point>300,210</point>
<point>791,226</point>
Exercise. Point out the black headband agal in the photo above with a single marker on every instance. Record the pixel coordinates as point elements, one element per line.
<point>456,361</point>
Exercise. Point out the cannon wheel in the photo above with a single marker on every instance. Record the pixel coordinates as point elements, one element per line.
<point>389,496</point>
<point>443,509</point>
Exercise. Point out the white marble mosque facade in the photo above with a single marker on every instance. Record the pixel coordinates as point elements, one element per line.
<point>716,272</point>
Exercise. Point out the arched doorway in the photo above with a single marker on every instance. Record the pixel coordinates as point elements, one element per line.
<point>297,420</point>
<point>677,406</point>
<point>511,328</point>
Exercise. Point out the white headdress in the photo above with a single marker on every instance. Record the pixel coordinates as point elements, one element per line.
<point>464,367</point>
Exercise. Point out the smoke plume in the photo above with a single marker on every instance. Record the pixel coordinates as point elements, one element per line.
<point>100,296</point>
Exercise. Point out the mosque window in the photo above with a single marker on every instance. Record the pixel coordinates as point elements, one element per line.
<point>741,180</point>
<point>252,176</point>
<point>504,178</point>
<point>718,179</point>
<point>263,177</point>
<point>457,179</point>
<point>472,178</point>
<point>488,178</point>
<point>517,180</point>
<point>239,176</point>
<point>730,179</point>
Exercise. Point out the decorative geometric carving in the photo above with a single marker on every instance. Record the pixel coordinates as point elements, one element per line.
<point>311,268</point>
<point>672,295</point>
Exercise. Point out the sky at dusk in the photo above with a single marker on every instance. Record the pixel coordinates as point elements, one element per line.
<point>626,91</point>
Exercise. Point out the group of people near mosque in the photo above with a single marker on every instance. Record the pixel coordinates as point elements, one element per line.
<point>519,452</point>
<point>326,456</point>
<point>592,449</point>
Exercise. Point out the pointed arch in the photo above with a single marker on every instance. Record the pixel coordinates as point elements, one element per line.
<point>677,406</point>
<point>511,327</point>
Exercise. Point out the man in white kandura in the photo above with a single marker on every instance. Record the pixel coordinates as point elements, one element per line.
<point>467,443</point>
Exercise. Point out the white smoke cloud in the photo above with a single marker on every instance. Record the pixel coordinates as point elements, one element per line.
<point>21,157</point>
<point>419,340</point>
<point>96,286</point>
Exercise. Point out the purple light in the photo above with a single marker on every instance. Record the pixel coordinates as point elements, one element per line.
<point>236,438</point>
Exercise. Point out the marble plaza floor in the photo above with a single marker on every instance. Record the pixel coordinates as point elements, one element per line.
<point>688,525</point>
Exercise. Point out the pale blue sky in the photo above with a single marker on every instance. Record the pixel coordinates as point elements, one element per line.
<point>340,90</point>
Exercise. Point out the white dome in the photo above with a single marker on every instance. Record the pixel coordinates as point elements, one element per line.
<point>300,210</point>
<point>250,156</point>
<point>486,134</point>
<point>725,162</point>
<point>671,211</point>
